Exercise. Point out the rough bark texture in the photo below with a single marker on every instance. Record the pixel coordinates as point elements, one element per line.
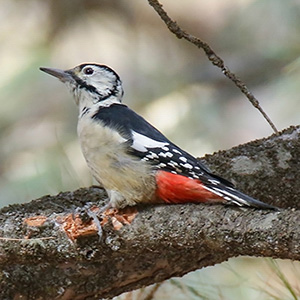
<point>39,261</point>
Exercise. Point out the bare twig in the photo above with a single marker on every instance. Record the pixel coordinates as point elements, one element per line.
<point>212,56</point>
<point>27,239</point>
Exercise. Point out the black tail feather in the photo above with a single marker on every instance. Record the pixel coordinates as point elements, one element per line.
<point>234,196</point>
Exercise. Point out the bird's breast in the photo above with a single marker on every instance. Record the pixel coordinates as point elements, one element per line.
<point>105,151</point>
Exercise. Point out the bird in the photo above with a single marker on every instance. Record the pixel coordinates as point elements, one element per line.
<point>130,158</point>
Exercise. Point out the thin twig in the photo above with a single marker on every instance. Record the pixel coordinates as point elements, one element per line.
<point>212,56</point>
<point>27,239</point>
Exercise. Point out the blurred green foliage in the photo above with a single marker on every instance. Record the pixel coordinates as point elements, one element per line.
<point>167,80</point>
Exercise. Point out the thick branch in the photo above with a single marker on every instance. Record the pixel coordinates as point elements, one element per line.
<point>39,260</point>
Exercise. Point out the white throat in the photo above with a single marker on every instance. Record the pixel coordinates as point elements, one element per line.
<point>86,101</point>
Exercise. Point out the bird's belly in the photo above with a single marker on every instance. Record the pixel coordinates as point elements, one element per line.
<point>110,164</point>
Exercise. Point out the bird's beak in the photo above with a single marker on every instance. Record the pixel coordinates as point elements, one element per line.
<point>64,76</point>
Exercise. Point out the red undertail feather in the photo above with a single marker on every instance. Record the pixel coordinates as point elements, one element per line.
<point>174,188</point>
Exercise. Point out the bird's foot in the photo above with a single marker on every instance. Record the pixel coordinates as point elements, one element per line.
<point>87,221</point>
<point>82,222</point>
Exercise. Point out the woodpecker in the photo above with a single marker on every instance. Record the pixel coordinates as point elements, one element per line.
<point>130,158</point>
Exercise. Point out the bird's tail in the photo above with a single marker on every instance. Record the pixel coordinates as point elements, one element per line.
<point>232,195</point>
<point>175,188</point>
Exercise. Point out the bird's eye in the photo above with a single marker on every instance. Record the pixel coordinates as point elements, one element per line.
<point>88,71</point>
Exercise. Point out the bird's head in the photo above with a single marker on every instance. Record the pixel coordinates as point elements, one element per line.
<point>91,82</point>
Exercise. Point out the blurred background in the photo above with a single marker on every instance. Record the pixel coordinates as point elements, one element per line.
<point>170,82</point>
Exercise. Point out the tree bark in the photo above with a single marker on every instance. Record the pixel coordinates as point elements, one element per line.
<point>40,260</point>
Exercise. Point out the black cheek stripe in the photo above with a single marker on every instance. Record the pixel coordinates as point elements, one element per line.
<point>92,89</point>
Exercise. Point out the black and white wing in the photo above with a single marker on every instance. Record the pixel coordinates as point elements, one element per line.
<point>148,143</point>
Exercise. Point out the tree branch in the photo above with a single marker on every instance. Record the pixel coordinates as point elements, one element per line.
<point>38,259</point>
<point>212,56</point>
